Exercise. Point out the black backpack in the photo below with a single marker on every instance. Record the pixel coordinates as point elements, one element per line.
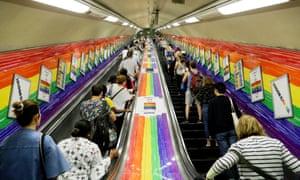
<point>105,135</point>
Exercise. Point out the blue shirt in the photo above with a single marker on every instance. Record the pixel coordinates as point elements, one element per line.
<point>19,157</point>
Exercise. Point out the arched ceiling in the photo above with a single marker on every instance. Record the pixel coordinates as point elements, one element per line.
<point>154,14</point>
<point>143,12</point>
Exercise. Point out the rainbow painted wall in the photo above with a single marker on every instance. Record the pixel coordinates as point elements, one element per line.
<point>27,63</point>
<point>274,63</point>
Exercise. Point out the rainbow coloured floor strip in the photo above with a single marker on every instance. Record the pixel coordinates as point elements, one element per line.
<point>150,153</point>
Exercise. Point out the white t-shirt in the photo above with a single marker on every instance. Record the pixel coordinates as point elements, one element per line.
<point>121,98</point>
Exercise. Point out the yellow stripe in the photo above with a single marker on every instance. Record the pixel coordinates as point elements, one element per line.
<point>148,88</point>
<point>5,92</point>
<point>147,152</point>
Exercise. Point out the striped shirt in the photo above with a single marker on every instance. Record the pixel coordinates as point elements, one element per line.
<point>266,153</point>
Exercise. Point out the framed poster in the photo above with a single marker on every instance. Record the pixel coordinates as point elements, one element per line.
<point>281,97</point>
<point>256,85</point>
<point>90,60</point>
<point>97,56</point>
<point>198,55</point>
<point>239,75</point>
<point>82,63</point>
<point>44,88</point>
<point>20,91</point>
<point>74,67</point>
<point>216,63</point>
<point>61,74</point>
<point>209,60</point>
<point>202,56</point>
<point>226,68</point>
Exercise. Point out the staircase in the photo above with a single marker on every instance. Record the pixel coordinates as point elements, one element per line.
<point>193,133</point>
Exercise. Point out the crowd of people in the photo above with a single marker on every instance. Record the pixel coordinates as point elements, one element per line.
<point>83,156</point>
<point>247,140</point>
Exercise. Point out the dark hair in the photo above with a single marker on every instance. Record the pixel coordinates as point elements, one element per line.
<point>104,89</point>
<point>97,89</point>
<point>123,71</point>
<point>25,110</point>
<point>193,64</point>
<point>220,87</point>
<point>112,79</point>
<point>129,53</point>
<point>82,128</point>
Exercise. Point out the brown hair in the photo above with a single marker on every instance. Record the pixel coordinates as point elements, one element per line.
<point>249,126</point>
<point>207,80</point>
<point>25,110</point>
<point>120,79</point>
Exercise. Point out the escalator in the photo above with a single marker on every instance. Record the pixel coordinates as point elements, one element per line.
<point>193,133</point>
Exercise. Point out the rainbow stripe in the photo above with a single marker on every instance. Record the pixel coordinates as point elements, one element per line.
<point>45,87</point>
<point>256,87</point>
<point>151,154</point>
<point>149,85</point>
<point>281,98</point>
<point>150,105</point>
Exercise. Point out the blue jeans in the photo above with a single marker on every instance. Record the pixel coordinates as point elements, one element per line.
<point>225,139</point>
<point>205,120</point>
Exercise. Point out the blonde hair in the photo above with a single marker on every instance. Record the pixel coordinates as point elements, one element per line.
<point>249,126</point>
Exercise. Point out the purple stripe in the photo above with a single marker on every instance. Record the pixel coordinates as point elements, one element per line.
<point>157,87</point>
<point>60,98</point>
<point>169,168</point>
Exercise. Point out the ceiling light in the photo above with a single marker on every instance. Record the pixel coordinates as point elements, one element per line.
<point>175,24</point>
<point>191,20</point>
<point>125,24</point>
<point>111,19</point>
<point>70,5</point>
<point>246,5</point>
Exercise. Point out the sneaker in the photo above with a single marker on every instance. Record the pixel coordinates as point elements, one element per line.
<point>208,144</point>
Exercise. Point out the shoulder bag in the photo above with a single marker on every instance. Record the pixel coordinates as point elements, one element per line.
<point>233,114</point>
<point>42,156</point>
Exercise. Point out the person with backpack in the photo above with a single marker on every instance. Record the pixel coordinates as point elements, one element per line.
<point>194,80</point>
<point>97,109</point>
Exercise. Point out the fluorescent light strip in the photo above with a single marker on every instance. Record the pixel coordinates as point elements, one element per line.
<point>191,20</point>
<point>70,5</point>
<point>175,24</point>
<point>246,5</point>
<point>111,19</point>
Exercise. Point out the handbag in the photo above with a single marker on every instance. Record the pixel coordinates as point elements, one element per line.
<point>254,168</point>
<point>233,114</point>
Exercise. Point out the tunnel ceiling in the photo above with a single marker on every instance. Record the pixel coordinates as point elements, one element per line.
<point>143,12</point>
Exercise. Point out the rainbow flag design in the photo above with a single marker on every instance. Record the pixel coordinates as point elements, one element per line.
<point>149,85</point>
<point>150,155</point>
<point>45,87</point>
<point>150,105</point>
<point>256,87</point>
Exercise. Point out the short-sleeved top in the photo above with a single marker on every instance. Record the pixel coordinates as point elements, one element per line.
<point>91,109</point>
<point>121,98</point>
<point>85,158</point>
<point>20,159</point>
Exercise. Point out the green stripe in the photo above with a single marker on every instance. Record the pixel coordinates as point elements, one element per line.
<point>151,84</point>
<point>156,171</point>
